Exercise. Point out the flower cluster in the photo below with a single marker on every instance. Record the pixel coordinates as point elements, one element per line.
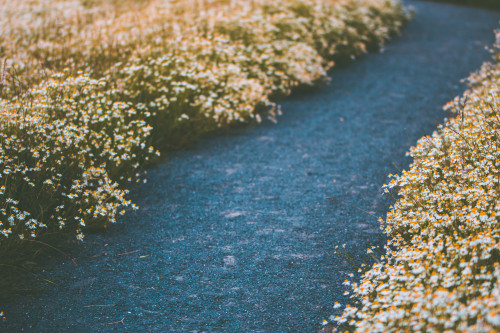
<point>63,150</point>
<point>88,87</point>
<point>228,66</point>
<point>441,270</point>
<point>195,71</point>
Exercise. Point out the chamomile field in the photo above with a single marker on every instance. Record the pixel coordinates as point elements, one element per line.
<point>92,89</point>
<point>113,117</point>
<point>441,266</point>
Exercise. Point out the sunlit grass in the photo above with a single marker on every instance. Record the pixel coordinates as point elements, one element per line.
<point>88,87</point>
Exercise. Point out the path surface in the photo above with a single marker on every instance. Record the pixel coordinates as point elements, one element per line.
<point>237,235</point>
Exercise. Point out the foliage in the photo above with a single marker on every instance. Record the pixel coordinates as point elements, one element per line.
<point>63,151</point>
<point>441,269</point>
<point>89,86</point>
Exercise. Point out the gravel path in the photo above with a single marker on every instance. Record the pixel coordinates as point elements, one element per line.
<point>237,234</point>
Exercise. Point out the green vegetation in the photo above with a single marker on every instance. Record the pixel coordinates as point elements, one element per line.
<point>441,269</point>
<point>89,88</point>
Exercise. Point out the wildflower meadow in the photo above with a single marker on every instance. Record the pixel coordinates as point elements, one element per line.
<point>90,90</point>
<point>94,91</point>
<point>441,267</point>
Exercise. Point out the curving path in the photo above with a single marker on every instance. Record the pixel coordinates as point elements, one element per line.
<point>237,235</point>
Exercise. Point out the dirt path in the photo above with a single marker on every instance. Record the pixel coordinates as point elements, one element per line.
<point>237,235</point>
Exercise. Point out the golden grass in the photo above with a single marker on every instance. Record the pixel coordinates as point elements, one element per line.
<point>88,87</point>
